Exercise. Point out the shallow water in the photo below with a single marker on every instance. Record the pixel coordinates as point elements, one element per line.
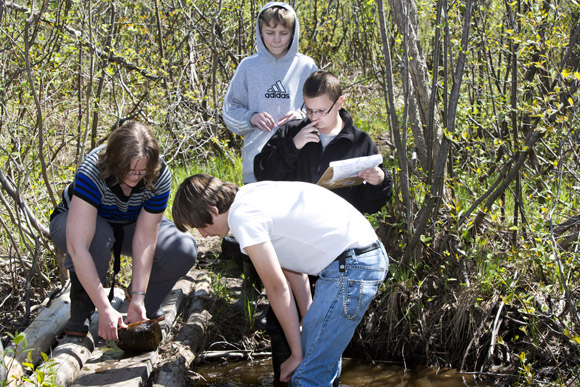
<point>354,373</point>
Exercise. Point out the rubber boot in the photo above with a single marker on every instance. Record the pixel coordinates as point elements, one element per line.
<point>81,308</point>
<point>280,348</point>
<point>252,284</point>
<point>251,289</point>
<point>280,352</point>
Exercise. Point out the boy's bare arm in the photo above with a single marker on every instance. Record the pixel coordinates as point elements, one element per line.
<point>279,293</point>
<point>300,285</point>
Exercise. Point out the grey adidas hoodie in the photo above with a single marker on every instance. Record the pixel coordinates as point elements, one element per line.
<point>263,83</point>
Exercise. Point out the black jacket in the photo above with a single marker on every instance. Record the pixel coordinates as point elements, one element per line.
<point>280,160</point>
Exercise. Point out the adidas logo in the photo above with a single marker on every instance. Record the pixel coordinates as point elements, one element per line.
<point>277,90</point>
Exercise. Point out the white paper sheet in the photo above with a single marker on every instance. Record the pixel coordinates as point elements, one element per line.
<point>351,167</point>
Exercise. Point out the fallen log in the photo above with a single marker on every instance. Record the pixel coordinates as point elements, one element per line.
<point>193,332</point>
<point>189,339</point>
<point>71,354</point>
<point>40,336</point>
<point>42,332</point>
<point>173,373</point>
<point>67,359</point>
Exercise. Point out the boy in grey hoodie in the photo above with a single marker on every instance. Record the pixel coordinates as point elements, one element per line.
<point>266,90</point>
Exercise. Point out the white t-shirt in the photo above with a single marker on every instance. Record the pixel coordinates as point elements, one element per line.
<point>308,225</point>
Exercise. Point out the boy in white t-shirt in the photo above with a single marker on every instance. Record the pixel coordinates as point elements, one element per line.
<point>291,230</point>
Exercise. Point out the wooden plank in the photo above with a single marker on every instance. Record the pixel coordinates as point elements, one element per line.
<point>107,367</point>
<point>69,357</point>
<point>189,339</point>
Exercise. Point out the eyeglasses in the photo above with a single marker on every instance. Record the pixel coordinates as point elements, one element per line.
<point>134,173</point>
<point>321,112</point>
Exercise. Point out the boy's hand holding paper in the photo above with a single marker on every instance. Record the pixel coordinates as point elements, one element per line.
<point>344,173</point>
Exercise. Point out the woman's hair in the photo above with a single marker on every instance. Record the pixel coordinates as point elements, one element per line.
<point>277,15</point>
<point>196,195</point>
<point>132,140</point>
<point>320,83</point>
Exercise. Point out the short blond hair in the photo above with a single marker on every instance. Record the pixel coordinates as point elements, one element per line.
<point>277,15</point>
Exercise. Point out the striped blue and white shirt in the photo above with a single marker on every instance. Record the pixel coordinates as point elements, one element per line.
<point>108,197</point>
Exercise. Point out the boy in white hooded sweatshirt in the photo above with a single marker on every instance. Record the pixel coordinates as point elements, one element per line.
<point>266,90</point>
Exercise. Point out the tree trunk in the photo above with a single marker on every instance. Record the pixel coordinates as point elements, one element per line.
<point>405,14</point>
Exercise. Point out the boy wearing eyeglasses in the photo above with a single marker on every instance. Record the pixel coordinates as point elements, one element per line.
<point>302,150</point>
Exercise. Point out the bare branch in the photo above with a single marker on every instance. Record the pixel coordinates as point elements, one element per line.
<point>100,53</point>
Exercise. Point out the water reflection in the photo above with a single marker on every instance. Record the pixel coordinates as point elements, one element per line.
<point>355,373</point>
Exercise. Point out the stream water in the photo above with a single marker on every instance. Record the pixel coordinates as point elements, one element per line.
<point>355,373</point>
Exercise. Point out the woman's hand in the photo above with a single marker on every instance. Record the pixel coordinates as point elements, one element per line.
<point>109,320</point>
<point>136,311</point>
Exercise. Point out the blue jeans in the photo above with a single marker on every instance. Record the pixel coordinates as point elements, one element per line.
<point>339,304</point>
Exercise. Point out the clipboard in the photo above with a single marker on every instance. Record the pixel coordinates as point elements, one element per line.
<point>326,180</point>
<point>344,173</point>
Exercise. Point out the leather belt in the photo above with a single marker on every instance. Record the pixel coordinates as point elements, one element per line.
<point>357,251</point>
